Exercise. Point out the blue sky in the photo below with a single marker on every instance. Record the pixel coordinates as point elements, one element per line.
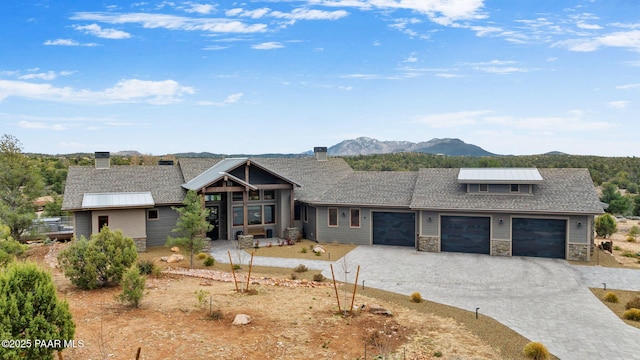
<point>514,77</point>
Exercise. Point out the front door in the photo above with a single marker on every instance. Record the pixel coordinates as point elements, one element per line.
<point>214,220</point>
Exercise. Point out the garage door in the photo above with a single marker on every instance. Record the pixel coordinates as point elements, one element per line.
<point>539,237</point>
<point>467,234</point>
<point>394,228</point>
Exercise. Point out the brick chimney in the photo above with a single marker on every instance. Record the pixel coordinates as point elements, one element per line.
<point>103,159</point>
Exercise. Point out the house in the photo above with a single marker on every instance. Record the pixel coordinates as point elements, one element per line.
<point>494,211</point>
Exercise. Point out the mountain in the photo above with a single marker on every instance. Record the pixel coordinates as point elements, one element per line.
<point>368,146</point>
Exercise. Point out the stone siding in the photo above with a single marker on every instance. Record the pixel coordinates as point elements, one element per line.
<point>292,234</point>
<point>141,244</point>
<point>500,248</point>
<point>245,241</point>
<point>429,243</point>
<point>578,252</point>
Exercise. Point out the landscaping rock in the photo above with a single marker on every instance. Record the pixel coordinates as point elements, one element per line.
<point>175,249</point>
<point>378,310</point>
<point>174,258</point>
<point>319,249</point>
<point>242,319</point>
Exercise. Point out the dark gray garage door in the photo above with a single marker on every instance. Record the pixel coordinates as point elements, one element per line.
<point>539,237</point>
<point>394,228</point>
<point>467,234</point>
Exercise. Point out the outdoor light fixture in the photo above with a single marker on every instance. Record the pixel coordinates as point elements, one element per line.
<point>344,214</point>
<point>579,224</point>
<point>429,219</point>
<point>500,221</point>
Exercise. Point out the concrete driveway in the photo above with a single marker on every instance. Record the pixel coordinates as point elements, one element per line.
<point>544,300</point>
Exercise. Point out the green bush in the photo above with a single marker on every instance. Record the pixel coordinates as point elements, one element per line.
<point>202,256</point>
<point>145,267</point>
<point>633,303</point>
<point>632,314</point>
<point>536,351</point>
<point>611,297</point>
<point>304,250</point>
<point>9,249</point>
<point>132,287</point>
<point>99,261</point>
<point>300,268</point>
<point>209,261</point>
<point>415,297</point>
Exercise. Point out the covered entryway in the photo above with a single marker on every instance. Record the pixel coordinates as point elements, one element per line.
<point>539,237</point>
<point>467,234</point>
<point>394,228</point>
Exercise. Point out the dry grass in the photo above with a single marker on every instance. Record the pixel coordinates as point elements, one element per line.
<point>618,308</point>
<point>600,258</point>
<point>508,342</point>
<point>334,251</point>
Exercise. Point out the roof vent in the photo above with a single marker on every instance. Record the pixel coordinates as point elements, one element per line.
<point>320,153</point>
<point>103,159</point>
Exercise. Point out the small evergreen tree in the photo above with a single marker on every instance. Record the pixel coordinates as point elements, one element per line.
<point>132,287</point>
<point>31,310</point>
<point>99,261</point>
<point>605,225</point>
<point>9,248</point>
<point>192,224</point>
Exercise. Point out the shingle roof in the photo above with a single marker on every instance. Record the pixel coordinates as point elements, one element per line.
<point>163,181</point>
<point>563,191</point>
<point>384,188</point>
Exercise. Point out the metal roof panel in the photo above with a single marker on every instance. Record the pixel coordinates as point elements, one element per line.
<point>117,200</point>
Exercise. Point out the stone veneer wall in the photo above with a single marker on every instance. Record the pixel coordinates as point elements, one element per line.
<point>500,248</point>
<point>141,244</point>
<point>245,241</point>
<point>578,252</point>
<point>429,243</point>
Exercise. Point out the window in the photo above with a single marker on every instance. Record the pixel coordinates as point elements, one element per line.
<point>355,218</point>
<point>152,214</point>
<point>269,195</point>
<point>269,214</point>
<point>483,187</point>
<point>254,195</point>
<point>213,197</point>
<point>238,216</point>
<point>305,214</point>
<point>236,196</point>
<point>255,214</point>
<point>515,188</point>
<point>102,222</point>
<point>333,217</point>
<point>297,212</point>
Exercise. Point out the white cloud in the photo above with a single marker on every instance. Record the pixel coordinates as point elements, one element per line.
<point>49,75</point>
<point>620,104</point>
<point>233,98</point>
<point>171,22</point>
<point>40,126</point>
<point>309,14</point>
<point>200,8</point>
<point>268,46</point>
<point>67,42</point>
<point>623,39</point>
<point>132,90</point>
<point>628,86</point>
<point>254,14</point>
<point>96,30</point>
<point>214,47</point>
<point>499,67</point>
<point>586,26</point>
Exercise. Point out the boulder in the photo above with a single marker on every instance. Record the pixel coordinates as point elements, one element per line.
<point>174,258</point>
<point>242,319</point>
<point>175,249</point>
<point>319,249</point>
<point>377,310</point>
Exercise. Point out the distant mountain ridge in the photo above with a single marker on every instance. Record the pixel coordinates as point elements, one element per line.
<point>368,146</point>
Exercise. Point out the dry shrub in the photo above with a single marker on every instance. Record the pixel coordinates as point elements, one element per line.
<point>536,351</point>
<point>611,297</point>
<point>300,268</point>
<point>416,297</point>
<point>632,314</point>
<point>202,256</point>
<point>633,303</point>
<point>318,277</point>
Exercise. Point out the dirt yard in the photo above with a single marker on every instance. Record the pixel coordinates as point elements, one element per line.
<point>626,248</point>
<point>289,320</point>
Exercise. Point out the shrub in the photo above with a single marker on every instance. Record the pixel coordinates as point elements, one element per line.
<point>209,261</point>
<point>536,351</point>
<point>611,297</point>
<point>318,277</point>
<point>202,256</point>
<point>216,315</point>
<point>294,276</point>
<point>415,297</point>
<point>632,314</point>
<point>633,303</point>
<point>237,267</point>
<point>203,297</point>
<point>631,239</point>
<point>99,261</point>
<point>145,267</point>
<point>132,287</point>
<point>9,249</point>
<point>304,250</point>
<point>300,268</point>
<point>156,272</point>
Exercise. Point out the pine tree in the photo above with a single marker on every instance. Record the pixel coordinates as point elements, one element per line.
<point>192,224</point>
<point>30,310</point>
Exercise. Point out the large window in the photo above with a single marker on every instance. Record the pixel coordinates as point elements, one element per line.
<point>333,216</point>
<point>238,216</point>
<point>355,218</point>
<point>255,214</point>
